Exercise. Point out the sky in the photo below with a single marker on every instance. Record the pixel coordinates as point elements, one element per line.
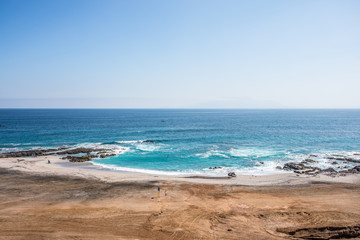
<point>179,54</point>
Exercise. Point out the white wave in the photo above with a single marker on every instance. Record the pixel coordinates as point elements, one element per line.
<point>267,168</point>
<point>239,152</point>
<point>7,150</point>
<point>251,152</point>
<point>212,153</point>
<point>148,147</point>
<point>116,149</point>
<point>264,169</point>
<point>143,145</point>
<point>131,141</point>
<point>149,171</point>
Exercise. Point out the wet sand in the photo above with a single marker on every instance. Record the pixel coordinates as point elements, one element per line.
<point>39,206</point>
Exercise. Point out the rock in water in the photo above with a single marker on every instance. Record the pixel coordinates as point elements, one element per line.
<point>231,174</point>
<point>215,167</point>
<point>355,169</point>
<point>308,160</point>
<point>301,168</point>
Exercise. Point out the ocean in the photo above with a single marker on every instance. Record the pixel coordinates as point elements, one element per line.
<point>189,141</point>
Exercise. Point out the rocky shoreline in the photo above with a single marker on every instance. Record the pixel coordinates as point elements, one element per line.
<point>301,168</point>
<point>305,166</point>
<point>71,154</point>
<point>82,154</point>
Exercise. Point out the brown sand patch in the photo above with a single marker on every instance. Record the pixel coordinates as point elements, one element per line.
<point>40,207</point>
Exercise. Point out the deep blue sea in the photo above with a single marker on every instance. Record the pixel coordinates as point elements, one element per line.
<point>186,141</point>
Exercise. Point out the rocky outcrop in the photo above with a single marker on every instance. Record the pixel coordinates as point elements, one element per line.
<point>300,168</point>
<point>323,233</point>
<point>297,166</point>
<point>329,170</point>
<point>103,155</point>
<point>344,158</point>
<point>28,153</point>
<point>60,151</point>
<point>80,159</point>
<point>81,150</point>
<point>308,160</point>
<point>354,169</point>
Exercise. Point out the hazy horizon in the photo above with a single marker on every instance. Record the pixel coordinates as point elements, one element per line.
<point>180,54</point>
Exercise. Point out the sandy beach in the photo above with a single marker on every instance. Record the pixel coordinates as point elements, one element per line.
<point>56,201</point>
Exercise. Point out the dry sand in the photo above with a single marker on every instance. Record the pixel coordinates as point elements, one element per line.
<point>49,201</point>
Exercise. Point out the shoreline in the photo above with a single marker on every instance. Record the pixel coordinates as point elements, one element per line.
<point>60,167</point>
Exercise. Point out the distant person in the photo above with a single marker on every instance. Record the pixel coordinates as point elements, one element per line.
<point>48,161</point>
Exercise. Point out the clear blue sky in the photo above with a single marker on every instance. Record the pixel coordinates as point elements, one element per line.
<point>197,53</point>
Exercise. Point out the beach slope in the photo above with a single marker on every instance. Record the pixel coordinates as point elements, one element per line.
<point>34,206</point>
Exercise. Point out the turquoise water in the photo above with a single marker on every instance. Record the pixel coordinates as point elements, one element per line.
<point>187,141</point>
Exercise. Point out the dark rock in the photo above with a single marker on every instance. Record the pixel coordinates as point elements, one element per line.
<point>332,172</point>
<point>294,166</point>
<point>28,153</point>
<point>334,163</point>
<point>308,160</point>
<point>335,158</point>
<point>279,167</point>
<point>231,174</point>
<point>107,155</point>
<point>312,171</point>
<point>352,160</point>
<point>301,168</point>
<point>355,169</point>
<point>79,159</point>
<point>261,162</point>
<point>347,159</point>
<point>322,233</point>
<point>328,170</point>
<point>81,150</point>
<point>42,152</point>
<point>215,167</point>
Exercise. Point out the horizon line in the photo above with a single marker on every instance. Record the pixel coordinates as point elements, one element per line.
<point>105,108</point>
